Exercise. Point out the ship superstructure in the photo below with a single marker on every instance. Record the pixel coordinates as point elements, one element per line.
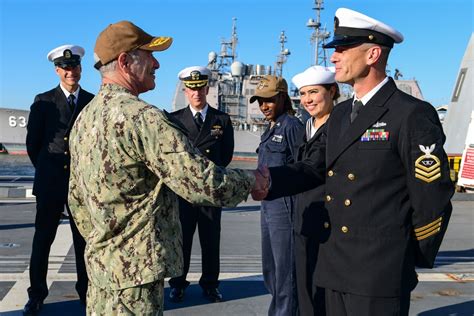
<point>231,85</point>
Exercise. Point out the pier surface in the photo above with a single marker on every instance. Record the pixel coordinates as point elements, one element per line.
<point>448,289</point>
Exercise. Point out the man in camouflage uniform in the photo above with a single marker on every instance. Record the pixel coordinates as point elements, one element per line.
<point>130,163</point>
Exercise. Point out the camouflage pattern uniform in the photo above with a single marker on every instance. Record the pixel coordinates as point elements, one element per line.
<point>146,299</point>
<point>128,162</point>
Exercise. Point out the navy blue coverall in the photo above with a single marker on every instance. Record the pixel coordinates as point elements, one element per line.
<point>279,146</point>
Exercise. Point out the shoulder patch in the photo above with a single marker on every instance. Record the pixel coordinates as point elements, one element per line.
<point>427,166</point>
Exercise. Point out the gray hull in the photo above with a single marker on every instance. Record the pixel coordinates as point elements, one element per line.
<point>13,131</point>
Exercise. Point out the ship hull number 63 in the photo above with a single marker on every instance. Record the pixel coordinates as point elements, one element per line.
<point>15,121</point>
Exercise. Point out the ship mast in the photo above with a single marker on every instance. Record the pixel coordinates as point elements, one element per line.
<point>282,57</point>
<point>229,48</point>
<point>318,36</point>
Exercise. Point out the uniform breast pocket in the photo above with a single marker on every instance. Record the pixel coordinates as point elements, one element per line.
<point>375,145</point>
<point>274,154</point>
<point>275,147</point>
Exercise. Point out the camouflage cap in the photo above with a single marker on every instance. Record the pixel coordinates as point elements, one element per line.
<point>124,36</point>
<point>269,86</point>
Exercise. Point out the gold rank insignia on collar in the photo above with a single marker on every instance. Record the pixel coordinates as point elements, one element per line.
<point>427,166</point>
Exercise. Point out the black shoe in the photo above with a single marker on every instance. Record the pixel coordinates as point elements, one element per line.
<point>213,295</point>
<point>33,306</point>
<point>176,294</point>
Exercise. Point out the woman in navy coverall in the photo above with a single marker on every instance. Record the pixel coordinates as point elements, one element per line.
<point>278,146</point>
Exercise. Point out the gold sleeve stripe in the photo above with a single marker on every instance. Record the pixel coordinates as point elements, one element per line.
<point>421,229</point>
<point>426,231</point>
<point>428,235</point>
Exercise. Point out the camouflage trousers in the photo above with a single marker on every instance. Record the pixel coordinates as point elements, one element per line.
<point>146,299</point>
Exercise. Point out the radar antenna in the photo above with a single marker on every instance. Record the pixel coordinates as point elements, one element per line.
<point>318,36</point>
<point>282,57</point>
<point>228,48</point>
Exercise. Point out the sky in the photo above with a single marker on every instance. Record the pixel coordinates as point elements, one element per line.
<point>436,36</point>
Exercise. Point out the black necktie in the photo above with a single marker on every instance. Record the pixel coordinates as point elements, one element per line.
<point>355,109</point>
<point>198,120</point>
<point>70,100</point>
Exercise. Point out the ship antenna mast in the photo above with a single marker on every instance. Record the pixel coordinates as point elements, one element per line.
<point>283,56</point>
<point>229,48</point>
<point>318,36</point>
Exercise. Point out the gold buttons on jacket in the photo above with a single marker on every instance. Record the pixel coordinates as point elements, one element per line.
<point>330,173</point>
<point>326,225</point>
<point>344,229</point>
<point>208,151</point>
<point>65,138</point>
<point>65,167</point>
<point>66,153</point>
<point>347,202</point>
<point>351,176</point>
<point>328,198</point>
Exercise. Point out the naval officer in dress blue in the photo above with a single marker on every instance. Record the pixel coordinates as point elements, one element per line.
<point>210,130</point>
<point>388,185</point>
<point>51,118</point>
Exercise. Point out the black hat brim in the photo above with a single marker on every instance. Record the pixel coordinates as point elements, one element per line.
<point>345,41</point>
<point>73,61</point>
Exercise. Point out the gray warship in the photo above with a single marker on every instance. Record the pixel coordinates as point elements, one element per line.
<point>233,82</point>
<point>231,85</point>
<point>13,131</point>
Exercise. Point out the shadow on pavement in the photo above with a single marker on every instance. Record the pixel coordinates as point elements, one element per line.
<point>461,309</point>
<point>16,226</point>
<point>70,308</point>
<point>231,290</point>
<point>462,256</point>
<point>238,209</point>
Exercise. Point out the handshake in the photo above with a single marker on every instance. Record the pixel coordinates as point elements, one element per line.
<point>262,183</point>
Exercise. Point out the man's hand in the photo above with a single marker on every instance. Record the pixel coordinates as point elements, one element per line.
<point>262,183</point>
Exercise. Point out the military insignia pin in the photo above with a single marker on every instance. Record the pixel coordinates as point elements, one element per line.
<point>262,84</point>
<point>195,75</point>
<point>67,54</point>
<point>427,166</point>
<point>379,124</point>
<point>216,131</point>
